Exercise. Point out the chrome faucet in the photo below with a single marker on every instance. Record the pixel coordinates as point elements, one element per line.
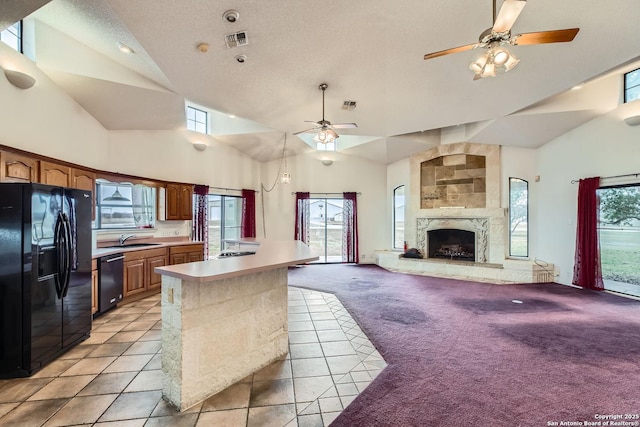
<point>124,238</point>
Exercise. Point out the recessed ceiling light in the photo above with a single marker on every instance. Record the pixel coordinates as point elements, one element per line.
<point>231,16</point>
<point>241,58</point>
<point>124,48</point>
<point>578,87</point>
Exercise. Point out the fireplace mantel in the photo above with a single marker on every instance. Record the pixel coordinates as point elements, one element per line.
<point>479,226</point>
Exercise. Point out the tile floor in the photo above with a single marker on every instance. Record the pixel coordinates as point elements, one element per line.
<point>114,377</point>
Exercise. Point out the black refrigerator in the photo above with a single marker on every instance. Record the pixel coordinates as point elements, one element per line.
<point>45,274</point>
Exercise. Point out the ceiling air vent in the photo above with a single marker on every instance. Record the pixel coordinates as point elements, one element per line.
<point>349,105</point>
<point>236,39</point>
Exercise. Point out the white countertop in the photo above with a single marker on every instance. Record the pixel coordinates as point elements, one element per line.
<point>270,254</point>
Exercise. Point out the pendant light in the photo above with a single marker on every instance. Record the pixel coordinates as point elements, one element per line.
<point>116,197</point>
<point>285,178</point>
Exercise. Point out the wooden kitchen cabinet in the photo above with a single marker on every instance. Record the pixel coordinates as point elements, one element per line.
<point>94,286</point>
<point>186,253</point>
<point>179,202</point>
<point>55,174</point>
<point>85,180</point>
<point>138,270</point>
<point>18,168</point>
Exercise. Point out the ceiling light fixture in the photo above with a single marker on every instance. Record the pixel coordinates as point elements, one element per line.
<point>199,146</point>
<point>231,16</point>
<point>116,197</point>
<point>124,48</point>
<point>285,178</point>
<point>496,59</point>
<point>19,80</point>
<point>241,58</point>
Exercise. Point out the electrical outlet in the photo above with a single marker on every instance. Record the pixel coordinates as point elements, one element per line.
<point>170,296</point>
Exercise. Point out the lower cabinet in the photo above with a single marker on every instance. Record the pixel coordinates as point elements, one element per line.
<point>186,253</point>
<point>94,286</point>
<point>138,270</point>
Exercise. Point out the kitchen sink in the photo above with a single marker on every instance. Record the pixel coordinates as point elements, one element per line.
<point>133,245</point>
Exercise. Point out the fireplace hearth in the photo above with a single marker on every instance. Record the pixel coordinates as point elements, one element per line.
<point>452,244</point>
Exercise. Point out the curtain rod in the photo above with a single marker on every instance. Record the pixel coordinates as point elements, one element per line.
<point>328,194</point>
<point>230,189</point>
<point>636,175</point>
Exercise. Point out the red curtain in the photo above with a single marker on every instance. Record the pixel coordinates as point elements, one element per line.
<point>200,225</point>
<point>350,228</point>
<point>587,271</point>
<point>248,228</point>
<point>303,210</point>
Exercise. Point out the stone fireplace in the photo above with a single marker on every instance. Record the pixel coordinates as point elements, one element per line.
<point>454,217</point>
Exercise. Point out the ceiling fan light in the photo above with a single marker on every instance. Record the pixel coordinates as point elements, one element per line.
<point>489,70</point>
<point>500,56</point>
<point>511,63</point>
<point>479,64</point>
<point>285,178</point>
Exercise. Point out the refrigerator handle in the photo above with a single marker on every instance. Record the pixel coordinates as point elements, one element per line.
<point>67,249</point>
<point>57,236</point>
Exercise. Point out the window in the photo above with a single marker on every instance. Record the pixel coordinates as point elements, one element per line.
<point>619,235</point>
<point>632,85</point>
<point>330,146</point>
<point>197,120</point>
<point>518,217</point>
<point>398,217</point>
<point>13,36</point>
<point>124,205</point>
<point>225,220</point>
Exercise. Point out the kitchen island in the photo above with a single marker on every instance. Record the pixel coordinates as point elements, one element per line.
<point>224,319</point>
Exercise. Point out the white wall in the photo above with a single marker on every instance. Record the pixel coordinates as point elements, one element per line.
<point>603,147</point>
<point>345,174</point>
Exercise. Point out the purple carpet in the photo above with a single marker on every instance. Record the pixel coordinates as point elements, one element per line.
<point>464,354</point>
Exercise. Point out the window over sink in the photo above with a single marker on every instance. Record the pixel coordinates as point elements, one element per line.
<point>124,205</point>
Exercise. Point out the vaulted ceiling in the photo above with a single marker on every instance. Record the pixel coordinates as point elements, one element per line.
<point>368,51</point>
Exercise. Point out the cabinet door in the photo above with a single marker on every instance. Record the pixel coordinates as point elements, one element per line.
<point>195,256</point>
<point>17,168</point>
<point>173,201</point>
<point>178,258</point>
<point>54,174</point>
<point>155,279</point>
<point>186,202</point>
<point>85,180</point>
<point>134,277</point>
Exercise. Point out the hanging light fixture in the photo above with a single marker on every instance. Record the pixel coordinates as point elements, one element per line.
<point>496,59</point>
<point>116,197</point>
<point>285,178</point>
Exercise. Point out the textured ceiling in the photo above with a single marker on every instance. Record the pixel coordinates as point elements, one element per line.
<point>369,51</point>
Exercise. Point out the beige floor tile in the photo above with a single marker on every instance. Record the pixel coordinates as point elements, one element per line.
<point>132,405</point>
<point>21,389</point>
<point>139,326</point>
<point>110,327</point>
<point>274,392</point>
<point>342,364</point>
<point>149,317</point>
<point>55,368</point>
<point>63,387</point>
<point>179,420</point>
<point>94,365</point>
<point>277,370</point>
<point>79,351</point>
<point>331,335</point>
<point>115,349</point>
<point>164,409</point>
<point>309,389</point>
<point>313,367</point>
<point>143,347</point>
<point>127,423</point>
<point>32,414</point>
<point>337,348</point>
<point>108,383</point>
<point>145,381</point>
<point>235,397</point>
<point>330,404</point>
<point>305,351</point>
<point>154,363</point>
<point>302,337</point>
<point>271,416</point>
<point>314,420</point>
<point>5,408</point>
<point>152,335</point>
<point>99,337</point>
<point>129,363</point>
<point>231,418</point>
<point>80,410</point>
<point>328,418</point>
<point>128,336</point>
<point>324,325</point>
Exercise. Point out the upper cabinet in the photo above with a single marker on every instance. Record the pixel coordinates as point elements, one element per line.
<point>55,174</point>
<point>179,200</point>
<point>83,179</point>
<point>18,168</point>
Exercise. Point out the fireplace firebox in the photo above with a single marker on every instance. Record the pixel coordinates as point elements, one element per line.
<point>451,244</point>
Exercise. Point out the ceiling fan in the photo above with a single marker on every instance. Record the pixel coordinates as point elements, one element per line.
<point>324,128</point>
<point>497,57</point>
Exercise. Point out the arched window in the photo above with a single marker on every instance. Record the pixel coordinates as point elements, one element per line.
<point>518,217</point>
<point>398,217</point>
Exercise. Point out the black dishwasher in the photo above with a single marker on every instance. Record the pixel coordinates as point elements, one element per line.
<point>110,277</point>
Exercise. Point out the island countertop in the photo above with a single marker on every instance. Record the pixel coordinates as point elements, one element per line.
<point>270,254</point>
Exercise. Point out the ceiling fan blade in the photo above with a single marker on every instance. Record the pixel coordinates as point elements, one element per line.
<point>452,50</point>
<point>508,14</point>
<point>311,121</point>
<point>305,131</point>
<point>540,37</point>
<point>344,125</point>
